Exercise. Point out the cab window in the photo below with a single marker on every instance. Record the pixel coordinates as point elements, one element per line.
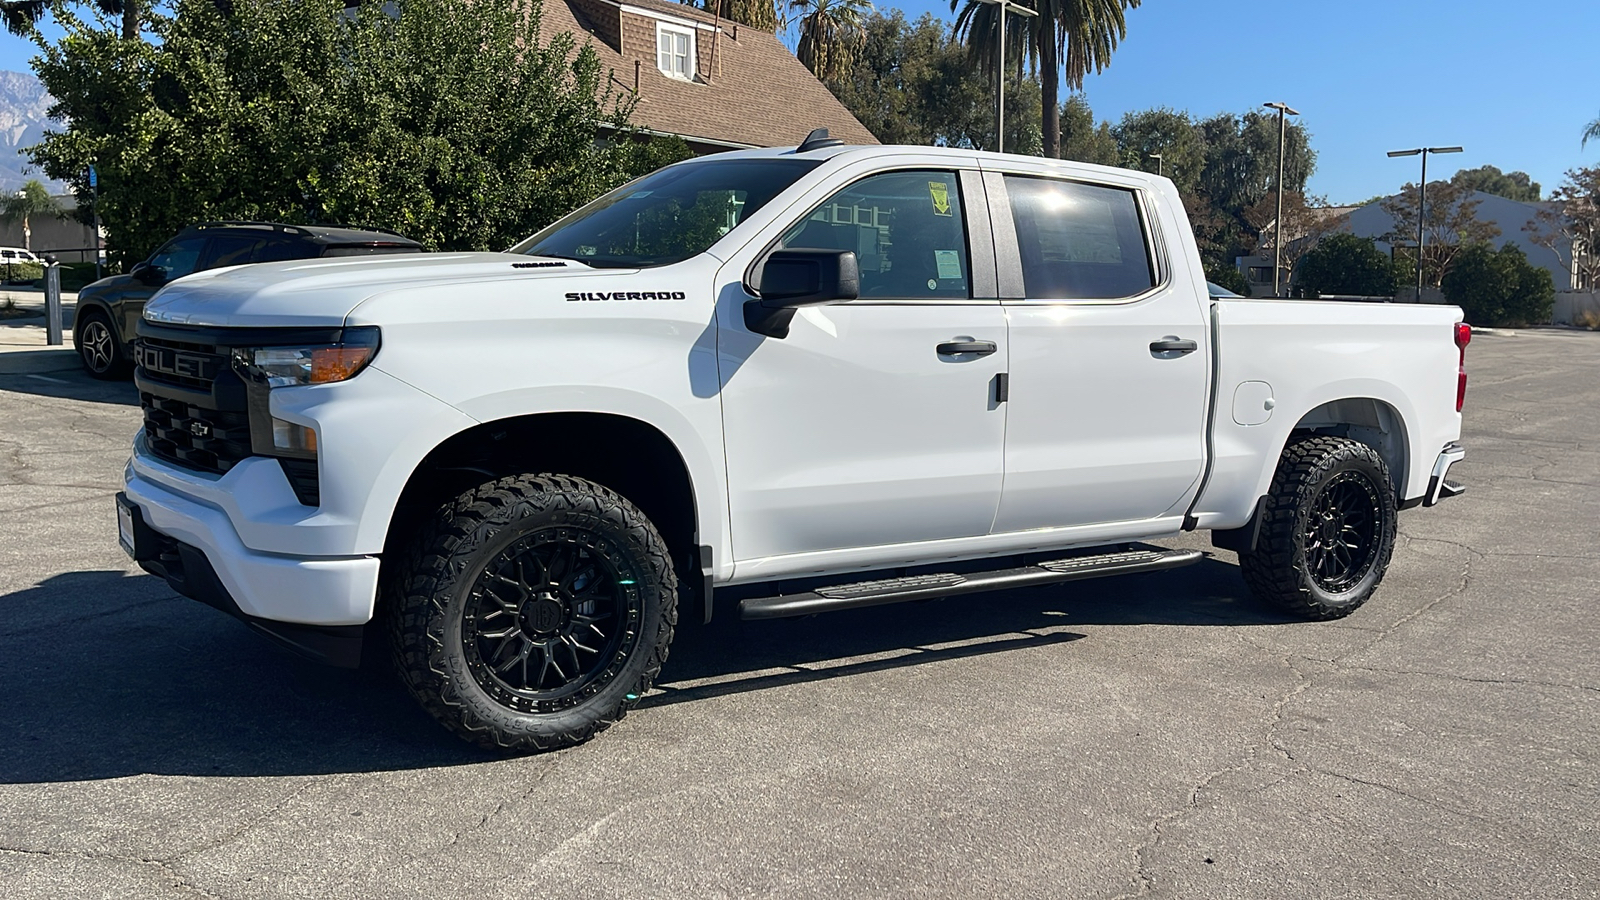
<point>906,229</point>
<point>1079,241</point>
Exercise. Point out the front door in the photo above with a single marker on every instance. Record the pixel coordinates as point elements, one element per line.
<point>1109,361</point>
<point>874,422</point>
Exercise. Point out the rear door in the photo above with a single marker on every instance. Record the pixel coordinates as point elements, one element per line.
<point>1109,354</point>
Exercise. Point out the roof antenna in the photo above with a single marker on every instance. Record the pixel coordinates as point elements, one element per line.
<point>818,139</point>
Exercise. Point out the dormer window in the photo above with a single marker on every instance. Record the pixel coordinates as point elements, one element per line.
<point>675,51</point>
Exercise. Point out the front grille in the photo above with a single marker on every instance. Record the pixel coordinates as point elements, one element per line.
<point>180,363</point>
<point>206,439</point>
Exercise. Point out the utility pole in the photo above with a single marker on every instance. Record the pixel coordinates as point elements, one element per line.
<point>1422,199</point>
<point>1277,239</point>
<point>1006,6</point>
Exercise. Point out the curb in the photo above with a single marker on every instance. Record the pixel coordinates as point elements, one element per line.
<point>39,362</point>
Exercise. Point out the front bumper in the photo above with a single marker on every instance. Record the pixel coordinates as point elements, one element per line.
<point>321,591</point>
<point>1439,487</point>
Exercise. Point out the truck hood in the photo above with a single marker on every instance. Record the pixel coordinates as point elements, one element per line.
<point>322,292</point>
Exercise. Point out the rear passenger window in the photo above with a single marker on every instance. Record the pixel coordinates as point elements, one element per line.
<point>284,249</point>
<point>1078,241</point>
<point>227,251</point>
<point>906,231</point>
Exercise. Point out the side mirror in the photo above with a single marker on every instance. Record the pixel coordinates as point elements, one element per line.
<point>144,273</point>
<point>791,279</point>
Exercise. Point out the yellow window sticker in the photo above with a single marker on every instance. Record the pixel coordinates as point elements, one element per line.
<point>940,192</point>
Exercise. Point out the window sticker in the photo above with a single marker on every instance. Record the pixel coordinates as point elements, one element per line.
<point>940,193</point>
<point>949,263</point>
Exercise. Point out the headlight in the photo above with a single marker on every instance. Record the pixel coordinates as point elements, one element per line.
<point>316,364</point>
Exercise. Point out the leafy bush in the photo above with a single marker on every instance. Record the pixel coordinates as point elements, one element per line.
<point>463,125</point>
<point>1229,277</point>
<point>1499,287</point>
<point>1346,264</point>
<point>21,272</point>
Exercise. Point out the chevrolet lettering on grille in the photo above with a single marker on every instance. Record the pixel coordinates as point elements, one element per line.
<point>164,361</point>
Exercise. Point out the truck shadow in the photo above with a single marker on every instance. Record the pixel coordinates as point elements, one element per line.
<point>110,675</point>
<point>68,384</point>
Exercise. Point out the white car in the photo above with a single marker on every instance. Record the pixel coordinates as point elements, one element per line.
<point>802,379</point>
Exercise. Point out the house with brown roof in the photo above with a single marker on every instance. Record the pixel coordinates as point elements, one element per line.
<point>716,84</point>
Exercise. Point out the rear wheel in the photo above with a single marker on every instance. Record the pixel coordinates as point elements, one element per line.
<point>1328,529</point>
<point>98,348</point>
<point>533,612</point>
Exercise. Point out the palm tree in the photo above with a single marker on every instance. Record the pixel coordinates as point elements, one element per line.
<point>830,34</point>
<point>21,15</point>
<point>33,200</point>
<point>1593,131</point>
<point>762,14</point>
<point>1069,38</point>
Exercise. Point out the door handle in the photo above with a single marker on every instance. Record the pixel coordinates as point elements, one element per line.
<point>1172,344</point>
<point>956,348</point>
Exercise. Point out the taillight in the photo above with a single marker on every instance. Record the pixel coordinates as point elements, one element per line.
<point>1463,338</point>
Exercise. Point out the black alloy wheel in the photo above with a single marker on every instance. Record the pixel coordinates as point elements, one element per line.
<point>532,612</point>
<point>1342,531</point>
<point>1327,530</point>
<point>552,615</point>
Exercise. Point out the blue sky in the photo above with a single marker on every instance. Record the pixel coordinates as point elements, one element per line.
<point>1367,75</point>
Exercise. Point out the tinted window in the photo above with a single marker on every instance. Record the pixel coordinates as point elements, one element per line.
<point>905,228</point>
<point>668,215</point>
<point>227,250</point>
<point>1078,241</point>
<point>280,249</point>
<point>178,258</point>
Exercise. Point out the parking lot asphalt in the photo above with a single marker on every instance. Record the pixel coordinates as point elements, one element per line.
<point>1162,735</point>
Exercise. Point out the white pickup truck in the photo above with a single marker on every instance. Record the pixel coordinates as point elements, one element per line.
<point>803,379</point>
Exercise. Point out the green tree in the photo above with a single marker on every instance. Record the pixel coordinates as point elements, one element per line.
<point>1241,159</point>
<point>1591,131</point>
<point>762,14</point>
<point>1346,264</point>
<point>910,83</point>
<point>30,203</point>
<point>1082,139</point>
<point>1229,277</point>
<point>1499,287</point>
<point>22,16</point>
<point>460,124</point>
<point>1167,132</point>
<point>1518,186</point>
<point>1067,41</point>
<point>830,34</point>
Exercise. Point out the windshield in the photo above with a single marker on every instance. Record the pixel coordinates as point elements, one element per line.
<point>666,216</point>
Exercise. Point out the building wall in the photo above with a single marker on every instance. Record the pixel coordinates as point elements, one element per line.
<point>52,234</point>
<point>1509,215</point>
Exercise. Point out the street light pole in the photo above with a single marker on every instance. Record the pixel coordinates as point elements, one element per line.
<point>1160,167</point>
<point>1006,6</point>
<point>1422,199</point>
<point>1277,239</point>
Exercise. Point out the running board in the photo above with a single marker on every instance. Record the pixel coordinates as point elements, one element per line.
<point>927,587</point>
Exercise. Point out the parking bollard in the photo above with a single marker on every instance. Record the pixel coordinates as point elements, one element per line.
<point>52,302</point>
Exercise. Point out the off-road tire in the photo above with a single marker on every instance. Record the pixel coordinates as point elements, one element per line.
<point>1277,570</point>
<point>98,350</point>
<point>444,575</point>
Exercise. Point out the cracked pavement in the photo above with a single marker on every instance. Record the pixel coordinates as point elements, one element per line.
<point>1156,736</point>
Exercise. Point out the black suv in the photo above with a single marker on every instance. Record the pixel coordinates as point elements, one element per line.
<point>109,309</point>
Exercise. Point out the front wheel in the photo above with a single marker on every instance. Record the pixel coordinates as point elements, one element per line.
<point>1327,531</point>
<point>533,612</point>
<point>98,349</point>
